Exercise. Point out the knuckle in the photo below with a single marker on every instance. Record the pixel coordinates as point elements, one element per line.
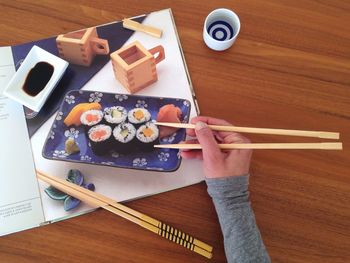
<point>204,132</point>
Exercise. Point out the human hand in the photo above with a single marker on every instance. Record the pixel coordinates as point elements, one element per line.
<point>217,163</point>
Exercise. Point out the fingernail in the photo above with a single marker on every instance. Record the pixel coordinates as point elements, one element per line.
<point>200,125</point>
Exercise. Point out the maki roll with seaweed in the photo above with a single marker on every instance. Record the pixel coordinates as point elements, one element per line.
<point>115,115</point>
<point>124,135</point>
<point>90,118</point>
<point>147,136</point>
<point>100,139</point>
<point>73,117</point>
<point>139,116</point>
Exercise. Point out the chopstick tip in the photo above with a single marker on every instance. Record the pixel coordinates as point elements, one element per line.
<point>330,135</point>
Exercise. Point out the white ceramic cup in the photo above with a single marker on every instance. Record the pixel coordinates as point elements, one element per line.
<point>221,28</point>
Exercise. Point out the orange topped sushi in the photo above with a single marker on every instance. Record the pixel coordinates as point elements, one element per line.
<point>168,113</point>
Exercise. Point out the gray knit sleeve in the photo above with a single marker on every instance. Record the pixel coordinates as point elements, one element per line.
<point>242,238</point>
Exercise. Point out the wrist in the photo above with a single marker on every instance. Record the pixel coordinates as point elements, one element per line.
<point>225,174</point>
<point>229,179</point>
<point>228,187</point>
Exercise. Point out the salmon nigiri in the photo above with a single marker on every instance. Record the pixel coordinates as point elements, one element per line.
<point>168,113</point>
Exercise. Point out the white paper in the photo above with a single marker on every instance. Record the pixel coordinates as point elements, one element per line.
<point>20,204</point>
<point>124,184</point>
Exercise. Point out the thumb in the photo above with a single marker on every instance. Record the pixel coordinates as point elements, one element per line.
<point>210,148</point>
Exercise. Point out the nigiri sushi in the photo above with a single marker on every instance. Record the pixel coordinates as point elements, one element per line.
<point>168,113</point>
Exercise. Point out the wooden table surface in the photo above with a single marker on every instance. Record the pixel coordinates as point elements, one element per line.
<point>290,68</point>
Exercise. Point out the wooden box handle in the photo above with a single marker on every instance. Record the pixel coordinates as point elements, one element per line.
<point>100,46</point>
<point>158,49</point>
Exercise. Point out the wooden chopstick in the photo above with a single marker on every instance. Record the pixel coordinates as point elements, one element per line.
<point>136,26</point>
<point>316,134</point>
<point>149,223</point>
<point>304,146</point>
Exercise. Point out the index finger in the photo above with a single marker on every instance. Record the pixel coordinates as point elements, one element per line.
<point>210,121</point>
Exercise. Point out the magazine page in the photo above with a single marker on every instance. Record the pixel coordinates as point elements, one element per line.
<point>20,203</point>
<point>119,183</point>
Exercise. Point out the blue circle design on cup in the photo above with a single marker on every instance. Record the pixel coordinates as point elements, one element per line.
<point>220,30</point>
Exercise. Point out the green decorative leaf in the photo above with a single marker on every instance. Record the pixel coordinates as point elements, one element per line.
<point>71,203</point>
<point>71,146</point>
<point>55,194</point>
<point>74,176</point>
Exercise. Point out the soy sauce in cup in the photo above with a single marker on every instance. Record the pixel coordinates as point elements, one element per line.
<point>37,78</point>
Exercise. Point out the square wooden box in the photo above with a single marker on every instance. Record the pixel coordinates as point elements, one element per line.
<point>80,47</point>
<point>135,66</point>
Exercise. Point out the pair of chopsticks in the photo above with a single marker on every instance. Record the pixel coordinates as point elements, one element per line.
<point>315,134</point>
<point>147,222</point>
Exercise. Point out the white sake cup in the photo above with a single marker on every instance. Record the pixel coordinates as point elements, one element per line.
<point>221,28</point>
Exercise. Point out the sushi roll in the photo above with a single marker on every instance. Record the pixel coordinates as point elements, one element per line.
<point>147,136</point>
<point>90,118</point>
<point>124,135</point>
<point>100,139</point>
<point>139,116</point>
<point>115,115</point>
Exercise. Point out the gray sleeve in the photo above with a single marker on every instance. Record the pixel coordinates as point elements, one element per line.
<point>242,238</point>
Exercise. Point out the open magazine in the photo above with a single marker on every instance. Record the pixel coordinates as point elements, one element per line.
<point>25,201</point>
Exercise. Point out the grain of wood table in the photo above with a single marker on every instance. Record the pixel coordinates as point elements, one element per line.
<point>290,68</point>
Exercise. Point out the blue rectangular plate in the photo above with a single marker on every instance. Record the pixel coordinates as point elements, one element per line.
<point>157,160</point>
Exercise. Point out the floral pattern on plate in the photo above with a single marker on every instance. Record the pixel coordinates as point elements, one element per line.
<point>157,160</point>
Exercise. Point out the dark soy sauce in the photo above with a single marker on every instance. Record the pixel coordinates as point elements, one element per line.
<point>37,78</point>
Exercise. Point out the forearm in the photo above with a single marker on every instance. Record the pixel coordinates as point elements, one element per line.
<point>242,238</point>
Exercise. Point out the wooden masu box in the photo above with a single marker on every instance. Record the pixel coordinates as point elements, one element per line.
<point>80,47</point>
<point>135,66</point>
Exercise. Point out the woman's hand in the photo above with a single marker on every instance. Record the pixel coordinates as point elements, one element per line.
<point>217,163</point>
